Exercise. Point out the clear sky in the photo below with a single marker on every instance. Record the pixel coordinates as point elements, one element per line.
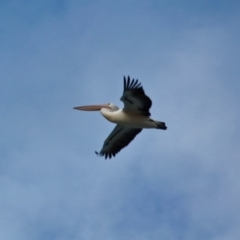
<point>182,183</point>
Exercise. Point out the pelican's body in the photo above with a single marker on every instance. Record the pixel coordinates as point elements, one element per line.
<point>130,120</point>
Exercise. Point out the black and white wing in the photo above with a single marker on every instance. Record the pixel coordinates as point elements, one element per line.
<point>119,138</point>
<point>134,97</point>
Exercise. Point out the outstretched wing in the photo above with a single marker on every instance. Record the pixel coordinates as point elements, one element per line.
<point>119,138</point>
<point>134,97</point>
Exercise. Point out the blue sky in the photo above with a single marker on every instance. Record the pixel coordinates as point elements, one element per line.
<point>182,183</point>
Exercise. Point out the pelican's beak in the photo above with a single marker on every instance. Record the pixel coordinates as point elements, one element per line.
<point>92,107</point>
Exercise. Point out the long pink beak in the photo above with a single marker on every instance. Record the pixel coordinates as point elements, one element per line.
<point>92,107</point>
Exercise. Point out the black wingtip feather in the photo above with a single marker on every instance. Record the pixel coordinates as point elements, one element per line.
<point>128,81</point>
<point>132,84</point>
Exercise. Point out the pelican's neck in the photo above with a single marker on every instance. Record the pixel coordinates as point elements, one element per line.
<point>107,113</point>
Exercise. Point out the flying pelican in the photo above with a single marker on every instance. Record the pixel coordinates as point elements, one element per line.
<point>130,120</point>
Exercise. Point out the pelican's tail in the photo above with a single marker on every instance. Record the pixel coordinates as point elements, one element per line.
<point>161,125</point>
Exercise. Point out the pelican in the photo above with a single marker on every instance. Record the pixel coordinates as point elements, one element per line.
<point>130,120</point>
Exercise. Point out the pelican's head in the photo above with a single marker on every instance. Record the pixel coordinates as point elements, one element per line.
<point>113,107</point>
<point>109,106</point>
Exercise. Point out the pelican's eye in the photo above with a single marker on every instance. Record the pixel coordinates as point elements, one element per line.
<point>109,104</point>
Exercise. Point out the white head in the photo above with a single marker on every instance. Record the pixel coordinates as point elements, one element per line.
<point>113,107</point>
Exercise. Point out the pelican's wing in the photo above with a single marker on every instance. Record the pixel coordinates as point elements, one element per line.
<point>119,138</point>
<point>134,97</point>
